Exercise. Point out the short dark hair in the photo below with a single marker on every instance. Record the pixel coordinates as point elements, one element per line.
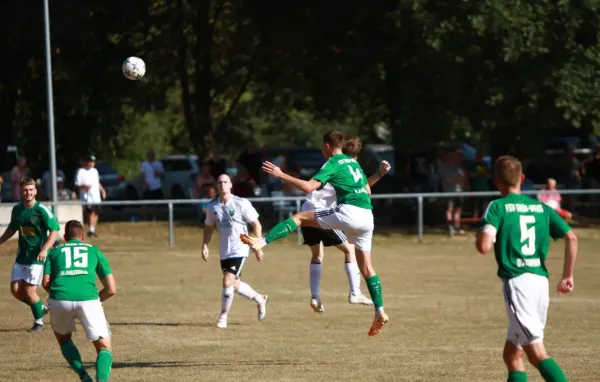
<point>73,229</point>
<point>508,170</point>
<point>334,138</point>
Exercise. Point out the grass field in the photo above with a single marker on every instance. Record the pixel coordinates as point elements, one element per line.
<point>444,301</point>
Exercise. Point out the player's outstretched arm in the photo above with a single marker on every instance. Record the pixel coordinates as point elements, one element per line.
<point>567,283</point>
<point>384,168</point>
<point>110,288</point>
<point>302,185</point>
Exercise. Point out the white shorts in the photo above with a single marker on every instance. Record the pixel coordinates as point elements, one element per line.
<point>526,298</point>
<point>90,314</point>
<point>31,274</point>
<point>357,223</point>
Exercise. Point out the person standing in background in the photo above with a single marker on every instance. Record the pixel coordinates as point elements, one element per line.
<point>16,175</point>
<point>151,170</point>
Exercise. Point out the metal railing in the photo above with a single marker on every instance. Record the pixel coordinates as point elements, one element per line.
<point>298,200</point>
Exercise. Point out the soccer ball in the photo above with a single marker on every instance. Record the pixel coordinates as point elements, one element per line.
<point>134,68</point>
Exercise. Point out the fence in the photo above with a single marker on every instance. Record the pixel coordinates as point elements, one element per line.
<point>298,200</point>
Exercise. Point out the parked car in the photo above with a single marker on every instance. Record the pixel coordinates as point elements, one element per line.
<point>178,179</point>
<point>113,183</point>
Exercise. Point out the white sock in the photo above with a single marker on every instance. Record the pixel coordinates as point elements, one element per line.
<point>353,274</point>
<point>92,229</point>
<point>247,291</point>
<point>226,301</point>
<point>315,280</point>
<point>40,321</point>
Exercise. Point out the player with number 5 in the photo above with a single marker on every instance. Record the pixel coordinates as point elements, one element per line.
<point>519,228</point>
<point>70,279</point>
<point>353,213</point>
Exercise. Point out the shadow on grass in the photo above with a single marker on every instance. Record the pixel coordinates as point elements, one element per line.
<point>193,324</point>
<point>22,330</point>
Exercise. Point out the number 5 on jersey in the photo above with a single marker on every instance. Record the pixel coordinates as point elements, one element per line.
<point>356,174</point>
<point>75,257</point>
<point>527,234</point>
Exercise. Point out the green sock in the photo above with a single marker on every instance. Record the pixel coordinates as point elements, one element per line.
<point>103,365</point>
<point>281,230</point>
<point>71,354</point>
<point>517,376</point>
<point>550,371</point>
<point>37,308</point>
<point>374,286</point>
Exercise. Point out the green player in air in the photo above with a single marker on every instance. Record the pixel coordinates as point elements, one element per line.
<point>32,220</point>
<point>70,278</point>
<point>519,228</point>
<point>353,213</point>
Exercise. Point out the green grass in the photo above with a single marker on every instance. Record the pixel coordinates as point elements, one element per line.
<point>444,301</point>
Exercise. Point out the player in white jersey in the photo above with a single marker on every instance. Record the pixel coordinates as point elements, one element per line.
<point>231,215</point>
<point>317,238</point>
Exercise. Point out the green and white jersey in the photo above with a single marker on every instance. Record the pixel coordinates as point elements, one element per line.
<point>73,267</point>
<point>348,179</point>
<point>33,225</point>
<point>523,227</point>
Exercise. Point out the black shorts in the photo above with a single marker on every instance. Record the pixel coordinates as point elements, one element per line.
<point>153,194</point>
<point>329,237</point>
<point>233,265</point>
<point>92,208</point>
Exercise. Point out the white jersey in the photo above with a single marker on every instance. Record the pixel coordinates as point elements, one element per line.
<point>88,177</point>
<point>232,219</point>
<point>324,197</point>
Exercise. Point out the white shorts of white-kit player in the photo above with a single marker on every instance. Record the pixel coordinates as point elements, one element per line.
<point>31,274</point>
<point>357,223</point>
<point>90,314</point>
<point>526,298</point>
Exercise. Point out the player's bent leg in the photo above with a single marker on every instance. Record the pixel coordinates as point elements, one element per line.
<point>548,367</point>
<point>72,355</point>
<point>104,359</point>
<point>282,229</point>
<point>38,310</point>
<point>513,358</point>
<point>315,272</point>
<point>17,290</point>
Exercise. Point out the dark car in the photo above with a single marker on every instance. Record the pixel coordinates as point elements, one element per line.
<point>113,183</point>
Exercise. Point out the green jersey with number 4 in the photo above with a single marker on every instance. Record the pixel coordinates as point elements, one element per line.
<point>523,229</point>
<point>33,225</point>
<point>348,179</point>
<point>73,267</point>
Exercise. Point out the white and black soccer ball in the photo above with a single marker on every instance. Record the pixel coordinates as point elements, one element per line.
<point>134,68</point>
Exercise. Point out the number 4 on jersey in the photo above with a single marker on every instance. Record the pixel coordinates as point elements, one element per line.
<point>356,174</point>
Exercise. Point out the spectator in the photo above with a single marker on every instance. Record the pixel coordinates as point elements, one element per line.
<point>62,192</point>
<point>479,181</point>
<point>590,169</point>
<point>453,179</point>
<point>16,175</point>
<point>243,182</point>
<point>274,184</point>
<point>87,181</point>
<point>572,176</point>
<point>1,181</point>
<point>252,160</point>
<point>550,196</point>
<point>211,195</point>
<point>47,184</point>
<point>151,170</point>
<point>204,181</point>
